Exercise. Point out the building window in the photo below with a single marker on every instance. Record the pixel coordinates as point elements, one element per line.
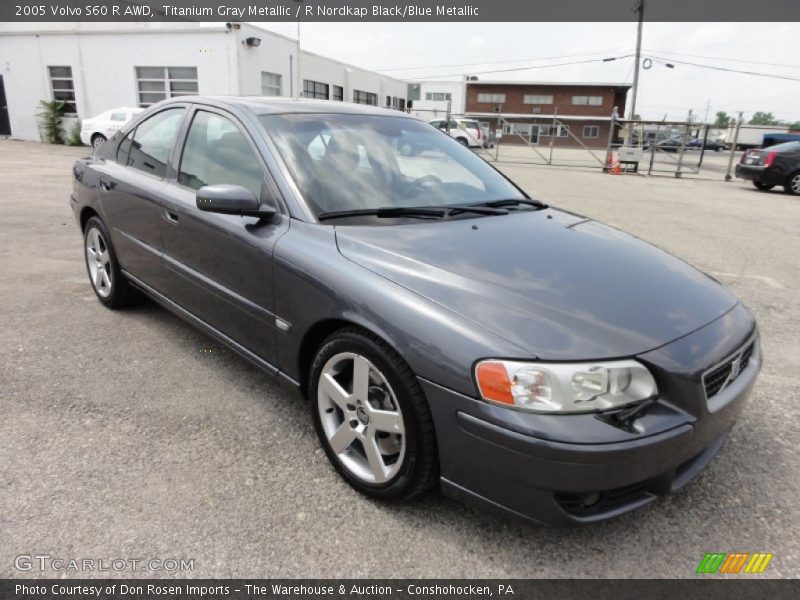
<point>492,98</point>
<point>337,93</point>
<point>591,131</point>
<point>389,101</point>
<point>537,99</point>
<point>63,88</point>
<point>360,97</point>
<point>398,103</point>
<point>587,100</point>
<point>315,89</point>
<point>438,96</point>
<point>270,84</point>
<point>159,83</point>
<point>553,130</point>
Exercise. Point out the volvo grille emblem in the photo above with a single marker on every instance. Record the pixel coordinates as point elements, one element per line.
<point>736,366</point>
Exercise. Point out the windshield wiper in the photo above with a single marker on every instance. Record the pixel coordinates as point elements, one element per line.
<point>386,212</point>
<point>537,204</point>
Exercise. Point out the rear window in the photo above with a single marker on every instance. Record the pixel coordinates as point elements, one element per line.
<point>785,147</point>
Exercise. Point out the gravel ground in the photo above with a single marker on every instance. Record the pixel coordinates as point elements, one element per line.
<point>130,434</point>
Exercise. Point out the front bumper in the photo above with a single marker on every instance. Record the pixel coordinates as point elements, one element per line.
<point>572,469</point>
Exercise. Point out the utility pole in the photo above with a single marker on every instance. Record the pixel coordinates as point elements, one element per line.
<point>640,10</point>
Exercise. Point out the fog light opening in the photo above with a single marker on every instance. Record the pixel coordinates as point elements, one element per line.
<point>590,499</point>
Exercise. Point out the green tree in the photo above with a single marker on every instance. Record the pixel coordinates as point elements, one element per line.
<point>723,119</point>
<point>795,126</point>
<point>763,118</point>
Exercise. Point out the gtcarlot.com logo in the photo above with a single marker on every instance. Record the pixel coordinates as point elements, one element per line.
<point>45,562</point>
<point>734,562</point>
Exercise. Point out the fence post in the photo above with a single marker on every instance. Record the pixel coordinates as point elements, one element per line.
<point>728,176</point>
<point>609,148</point>
<point>552,135</point>
<point>653,149</point>
<point>686,131</point>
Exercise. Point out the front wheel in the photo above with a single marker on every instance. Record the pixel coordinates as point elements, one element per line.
<point>372,417</point>
<point>793,184</point>
<point>763,186</point>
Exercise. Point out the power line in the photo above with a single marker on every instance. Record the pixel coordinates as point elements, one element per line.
<point>664,60</point>
<point>498,62</point>
<point>528,67</point>
<point>741,60</point>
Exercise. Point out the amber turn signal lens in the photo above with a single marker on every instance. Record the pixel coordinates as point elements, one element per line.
<point>493,382</point>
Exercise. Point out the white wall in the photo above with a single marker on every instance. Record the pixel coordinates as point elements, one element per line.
<point>103,67</point>
<point>103,58</point>
<point>430,109</point>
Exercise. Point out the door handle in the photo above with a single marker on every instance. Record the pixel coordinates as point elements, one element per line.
<point>107,186</point>
<point>170,217</point>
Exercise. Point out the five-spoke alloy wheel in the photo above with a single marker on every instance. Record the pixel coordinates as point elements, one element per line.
<point>111,287</point>
<point>98,261</point>
<point>371,416</point>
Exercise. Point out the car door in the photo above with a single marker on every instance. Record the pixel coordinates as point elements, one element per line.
<point>131,182</point>
<point>220,266</point>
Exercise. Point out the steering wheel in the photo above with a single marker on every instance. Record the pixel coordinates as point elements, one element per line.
<point>420,183</point>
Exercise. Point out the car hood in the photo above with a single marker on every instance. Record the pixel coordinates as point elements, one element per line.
<point>560,286</point>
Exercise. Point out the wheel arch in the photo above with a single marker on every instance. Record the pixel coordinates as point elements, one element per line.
<point>320,331</point>
<point>87,213</point>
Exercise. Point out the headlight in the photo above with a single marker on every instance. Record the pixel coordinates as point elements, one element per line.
<point>564,387</point>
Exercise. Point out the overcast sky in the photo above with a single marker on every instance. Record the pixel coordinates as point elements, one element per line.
<point>445,51</point>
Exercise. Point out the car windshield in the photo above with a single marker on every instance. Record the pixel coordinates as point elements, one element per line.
<point>354,162</point>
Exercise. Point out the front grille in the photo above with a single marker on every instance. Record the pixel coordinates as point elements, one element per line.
<point>716,379</point>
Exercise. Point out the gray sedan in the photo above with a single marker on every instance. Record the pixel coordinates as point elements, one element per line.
<point>444,328</point>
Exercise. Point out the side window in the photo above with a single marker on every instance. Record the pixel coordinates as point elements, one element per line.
<point>118,116</point>
<point>152,141</point>
<point>217,152</point>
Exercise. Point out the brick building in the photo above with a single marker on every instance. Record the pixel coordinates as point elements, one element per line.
<point>525,111</point>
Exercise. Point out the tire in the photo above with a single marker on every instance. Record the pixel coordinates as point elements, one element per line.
<point>463,142</point>
<point>98,139</point>
<point>102,266</point>
<point>763,186</point>
<point>793,184</point>
<point>406,463</point>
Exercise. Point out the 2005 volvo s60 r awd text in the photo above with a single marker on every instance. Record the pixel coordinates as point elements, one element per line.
<point>444,327</point>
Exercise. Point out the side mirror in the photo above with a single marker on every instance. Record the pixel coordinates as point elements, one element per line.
<point>232,200</point>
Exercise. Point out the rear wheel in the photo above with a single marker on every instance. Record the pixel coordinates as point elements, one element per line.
<point>98,139</point>
<point>371,417</point>
<point>463,141</point>
<point>793,184</point>
<point>763,186</point>
<point>108,282</point>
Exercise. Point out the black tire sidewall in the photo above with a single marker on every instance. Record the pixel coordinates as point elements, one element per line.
<point>401,484</point>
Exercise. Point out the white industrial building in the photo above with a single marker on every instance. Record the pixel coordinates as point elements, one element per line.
<point>98,66</point>
<point>432,99</point>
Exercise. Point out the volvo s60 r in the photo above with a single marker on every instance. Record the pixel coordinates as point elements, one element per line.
<point>444,327</point>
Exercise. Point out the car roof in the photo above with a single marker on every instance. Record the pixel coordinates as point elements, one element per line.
<point>273,106</point>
